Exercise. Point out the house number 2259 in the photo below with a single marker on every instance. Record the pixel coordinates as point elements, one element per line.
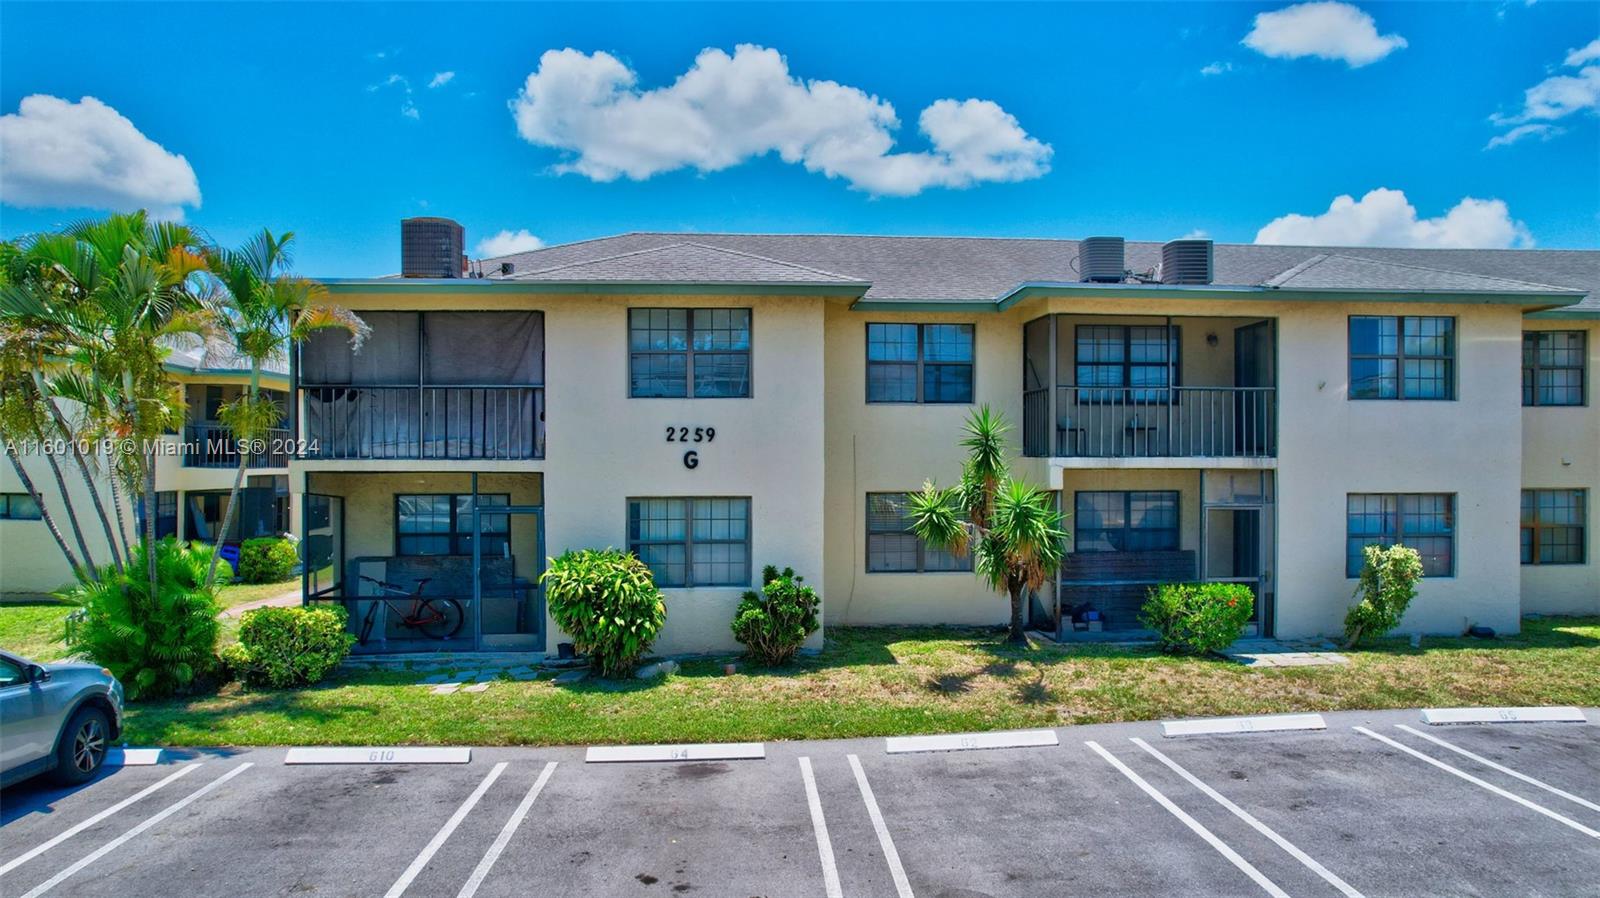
<point>691,435</point>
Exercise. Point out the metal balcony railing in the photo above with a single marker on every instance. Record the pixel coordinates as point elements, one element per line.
<point>1151,422</point>
<point>209,445</point>
<point>410,422</point>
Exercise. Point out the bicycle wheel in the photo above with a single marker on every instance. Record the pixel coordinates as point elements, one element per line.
<point>366,622</point>
<point>440,618</point>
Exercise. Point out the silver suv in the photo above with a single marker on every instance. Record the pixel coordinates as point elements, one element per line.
<point>58,718</point>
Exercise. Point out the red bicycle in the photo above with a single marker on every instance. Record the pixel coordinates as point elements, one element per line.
<point>436,618</point>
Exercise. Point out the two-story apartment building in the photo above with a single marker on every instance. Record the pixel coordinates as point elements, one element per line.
<point>717,402</point>
<point>195,469</point>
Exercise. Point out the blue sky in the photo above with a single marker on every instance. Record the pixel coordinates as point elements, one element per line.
<point>320,119</point>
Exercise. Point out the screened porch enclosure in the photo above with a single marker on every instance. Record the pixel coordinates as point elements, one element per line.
<point>428,561</point>
<point>1097,386</point>
<point>1134,531</point>
<point>446,385</point>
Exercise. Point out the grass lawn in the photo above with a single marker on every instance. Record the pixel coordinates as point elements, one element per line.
<point>33,627</point>
<point>884,681</point>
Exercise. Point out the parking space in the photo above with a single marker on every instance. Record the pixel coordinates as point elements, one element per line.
<point>1334,812</point>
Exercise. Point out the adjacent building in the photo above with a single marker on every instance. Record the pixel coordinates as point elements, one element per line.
<point>718,402</point>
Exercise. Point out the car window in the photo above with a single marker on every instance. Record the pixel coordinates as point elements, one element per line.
<point>10,673</point>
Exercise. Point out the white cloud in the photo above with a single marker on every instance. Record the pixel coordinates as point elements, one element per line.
<point>1543,131</point>
<point>440,79</point>
<point>726,110</point>
<point>1325,29</point>
<point>1196,234</point>
<point>506,243</point>
<point>1217,68</point>
<point>1385,217</point>
<point>60,154</point>
<point>1556,97</point>
<point>1587,53</point>
<point>408,106</point>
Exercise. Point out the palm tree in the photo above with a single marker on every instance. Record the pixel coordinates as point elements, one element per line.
<point>120,295</point>
<point>261,310</point>
<point>1013,528</point>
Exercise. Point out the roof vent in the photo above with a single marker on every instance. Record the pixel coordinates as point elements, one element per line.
<point>508,267</point>
<point>1100,260</point>
<point>1186,262</point>
<point>431,248</point>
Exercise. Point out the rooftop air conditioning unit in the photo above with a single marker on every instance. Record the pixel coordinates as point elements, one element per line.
<point>1100,260</point>
<point>1186,262</point>
<point>431,248</point>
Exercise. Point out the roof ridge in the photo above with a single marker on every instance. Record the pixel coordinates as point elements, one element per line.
<point>761,258</point>
<point>597,259</point>
<point>1456,272</point>
<point>1286,275</point>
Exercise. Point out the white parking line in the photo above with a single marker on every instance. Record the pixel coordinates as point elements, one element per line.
<point>830,873</point>
<point>444,832</point>
<point>116,843</point>
<point>1503,769</point>
<point>901,884</point>
<point>13,864</point>
<point>504,839</point>
<point>1568,821</point>
<point>1306,859</point>
<point>1193,824</point>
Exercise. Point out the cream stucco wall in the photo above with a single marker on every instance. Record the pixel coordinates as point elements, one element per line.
<point>1561,450</point>
<point>603,447</point>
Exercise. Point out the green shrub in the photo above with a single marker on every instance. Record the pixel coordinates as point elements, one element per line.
<point>775,622</point>
<point>607,601</point>
<point>157,645</point>
<point>282,647</point>
<point>266,559</point>
<point>1388,582</point>
<point>1196,618</point>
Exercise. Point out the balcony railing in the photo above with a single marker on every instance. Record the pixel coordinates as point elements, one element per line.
<point>444,422</point>
<point>213,446</point>
<point>1151,422</point>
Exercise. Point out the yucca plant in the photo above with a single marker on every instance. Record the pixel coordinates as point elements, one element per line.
<point>158,644</point>
<point>1013,528</point>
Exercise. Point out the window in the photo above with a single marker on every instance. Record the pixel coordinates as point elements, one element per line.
<point>1424,521</point>
<point>1552,368</point>
<point>166,514</point>
<point>18,507</point>
<point>11,674</point>
<point>1133,521</point>
<point>213,404</point>
<point>891,546</point>
<point>692,542</point>
<point>1127,363</point>
<point>929,363</point>
<point>1402,357</point>
<point>1552,526</point>
<point>441,524</point>
<point>672,350</point>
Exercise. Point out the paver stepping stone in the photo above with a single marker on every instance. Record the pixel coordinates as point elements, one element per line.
<point>445,688</point>
<point>476,687</point>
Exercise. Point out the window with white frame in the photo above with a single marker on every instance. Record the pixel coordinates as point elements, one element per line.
<point>1424,521</point>
<point>689,542</point>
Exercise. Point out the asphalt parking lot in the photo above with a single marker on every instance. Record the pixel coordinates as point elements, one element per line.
<point>1482,810</point>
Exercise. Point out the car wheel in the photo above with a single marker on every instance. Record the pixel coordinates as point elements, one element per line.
<point>82,748</point>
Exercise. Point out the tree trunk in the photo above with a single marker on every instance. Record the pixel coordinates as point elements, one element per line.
<point>149,500</point>
<point>83,469</point>
<point>116,503</point>
<point>238,479</point>
<point>1017,636</point>
<point>72,518</point>
<point>44,512</point>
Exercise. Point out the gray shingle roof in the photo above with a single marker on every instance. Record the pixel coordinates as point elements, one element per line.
<point>967,269</point>
<point>687,262</point>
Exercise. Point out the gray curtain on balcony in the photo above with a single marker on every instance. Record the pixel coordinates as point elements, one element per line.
<point>484,347</point>
<point>364,423</point>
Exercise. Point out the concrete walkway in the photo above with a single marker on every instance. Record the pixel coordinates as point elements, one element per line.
<point>288,599</point>
<point>1284,653</point>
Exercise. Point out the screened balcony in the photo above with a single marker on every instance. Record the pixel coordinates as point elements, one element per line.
<point>426,385</point>
<point>1146,387</point>
<point>208,443</point>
